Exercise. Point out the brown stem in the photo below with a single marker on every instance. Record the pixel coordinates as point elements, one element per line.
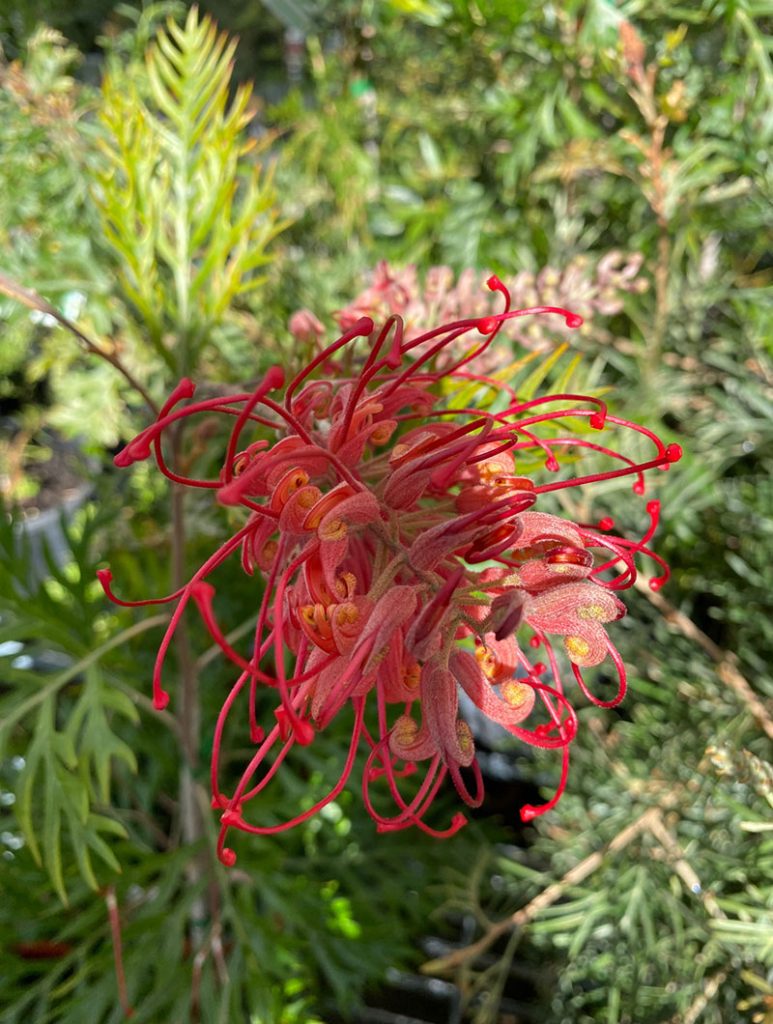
<point>662,267</point>
<point>115,935</point>
<point>727,666</point>
<point>658,197</point>
<point>652,182</point>
<point>32,300</point>
<point>676,856</point>
<point>544,899</point>
<point>711,986</point>
<point>668,849</point>
<point>191,824</point>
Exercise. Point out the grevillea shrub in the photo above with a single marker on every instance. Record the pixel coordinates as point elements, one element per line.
<point>406,554</point>
<point>593,290</point>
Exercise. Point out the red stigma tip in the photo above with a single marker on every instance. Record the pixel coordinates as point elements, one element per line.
<point>493,282</point>
<point>551,464</point>
<point>227,857</point>
<point>606,523</point>
<point>124,458</point>
<point>535,642</point>
<point>529,813</point>
<point>638,487</point>
<point>574,320</point>
<point>487,324</point>
<point>185,389</point>
<point>303,732</point>
<point>656,583</point>
<point>674,452</point>
<point>653,507</point>
<point>105,577</point>
<point>539,667</point>
<point>275,378</point>
<point>161,701</point>
<point>597,420</point>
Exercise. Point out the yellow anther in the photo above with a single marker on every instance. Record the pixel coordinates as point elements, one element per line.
<point>307,614</point>
<point>486,660</point>
<point>405,729</point>
<point>291,482</point>
<point>382,433</point>
<point>490,470</point>
<point>346,584</point>
<point>306,499</point>
<point>464,737</point>
<point>240,464</point>
<point>514,693</point>
<point>268,552</point>
<point>347,614</point>
<point>577,647</point>
<point>334,530</point>
<point>592,611</point>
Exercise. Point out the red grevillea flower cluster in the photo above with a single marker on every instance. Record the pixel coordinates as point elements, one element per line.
<point>594,290</point>
<point>405,558</point>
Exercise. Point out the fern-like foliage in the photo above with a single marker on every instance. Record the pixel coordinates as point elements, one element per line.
<point>58,710</point>
<point>186,207</point>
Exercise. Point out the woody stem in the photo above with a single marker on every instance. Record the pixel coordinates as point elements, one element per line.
<point>191,823</point>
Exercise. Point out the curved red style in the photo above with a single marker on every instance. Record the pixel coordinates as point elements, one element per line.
<point>406,553</point>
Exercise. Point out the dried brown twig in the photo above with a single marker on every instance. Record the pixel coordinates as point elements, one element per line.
<point>667,849</point>
<point>726,662</point>
<point>544,899</point>
<point>31,299</point>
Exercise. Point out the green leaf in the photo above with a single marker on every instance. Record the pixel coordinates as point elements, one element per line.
<point>185,205</point>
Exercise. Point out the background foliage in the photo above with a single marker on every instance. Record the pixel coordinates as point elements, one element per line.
<point>180,222</point>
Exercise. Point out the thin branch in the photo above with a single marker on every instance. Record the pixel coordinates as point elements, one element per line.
<point>726,662</point>
<point>682,867</point>
<point>191,822</point>
<point>33,301</point>
<point>710,989</point>
<point>669,848</point>
<point>115,935</point>
<point>544,899</point>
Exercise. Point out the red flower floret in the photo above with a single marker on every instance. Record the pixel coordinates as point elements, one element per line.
<point>403,559</point>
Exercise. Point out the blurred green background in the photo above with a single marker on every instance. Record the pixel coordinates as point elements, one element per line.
<point>610,157</point>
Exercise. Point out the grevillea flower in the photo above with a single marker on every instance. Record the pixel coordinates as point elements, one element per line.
<point>406,556</point>
<point>594,290</point>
